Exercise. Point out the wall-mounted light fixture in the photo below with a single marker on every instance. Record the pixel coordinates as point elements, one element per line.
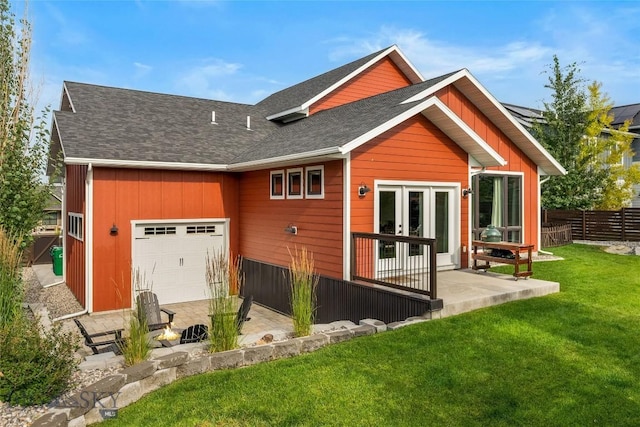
<point>292,229</point>
<point>363,189</point>
<point>466,192</point>
<point>114,230</point>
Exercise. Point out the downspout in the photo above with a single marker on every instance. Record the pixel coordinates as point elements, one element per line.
<point>346,219</point>
<point>540,251</point>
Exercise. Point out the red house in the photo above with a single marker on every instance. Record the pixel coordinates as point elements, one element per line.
<point>153,181</point>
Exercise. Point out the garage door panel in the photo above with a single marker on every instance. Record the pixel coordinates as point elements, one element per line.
<point>173,257</point>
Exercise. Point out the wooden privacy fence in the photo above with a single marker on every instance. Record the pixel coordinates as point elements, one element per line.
<point>622,225</point>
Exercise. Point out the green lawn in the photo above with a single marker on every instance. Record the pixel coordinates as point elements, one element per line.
<point>567,359</point>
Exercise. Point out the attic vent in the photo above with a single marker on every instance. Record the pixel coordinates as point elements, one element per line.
<point>213,118</point>
<point>248,122</point>
<point>157,231</point>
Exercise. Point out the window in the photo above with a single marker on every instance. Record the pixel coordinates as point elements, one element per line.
<point>277,184</point>
<point>315,182</point>
<point>294,183</point>
<point>201,229</point>
<point>75,226</point>
<point>498,201</point>
<point>50,218</point>
<point>159,231</point>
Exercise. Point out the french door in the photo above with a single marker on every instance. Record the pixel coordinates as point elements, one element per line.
<point>419,211</point>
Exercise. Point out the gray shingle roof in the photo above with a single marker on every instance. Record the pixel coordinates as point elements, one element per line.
<point>129,125</point>
<point>121,124</point>
<point>296,95</point>
<point>337,126</point>
<point>626,112</point>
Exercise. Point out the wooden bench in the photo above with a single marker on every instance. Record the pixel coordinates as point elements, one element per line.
<point>517,249</point>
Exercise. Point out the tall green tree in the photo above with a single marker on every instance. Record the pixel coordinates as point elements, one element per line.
<point>24,145</point>
<point>561,133</point>
<point>577,130</point>
<point>605,148</point>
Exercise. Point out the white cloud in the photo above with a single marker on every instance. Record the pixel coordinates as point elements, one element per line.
<point>203,80</point>
<point>141,69</point>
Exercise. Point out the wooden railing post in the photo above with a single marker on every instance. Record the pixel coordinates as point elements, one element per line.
<point>433,270</point>
<point>584,225</point>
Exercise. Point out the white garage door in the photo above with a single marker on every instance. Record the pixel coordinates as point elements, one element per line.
<point>172,256</point>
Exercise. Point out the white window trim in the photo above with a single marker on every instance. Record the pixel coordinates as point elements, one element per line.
<point>295,196</point>
<point>284,185</point>
<point>306,174</point>
<point>75,225</point>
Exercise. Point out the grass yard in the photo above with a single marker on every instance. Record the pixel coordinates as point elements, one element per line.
<point>569,359</point>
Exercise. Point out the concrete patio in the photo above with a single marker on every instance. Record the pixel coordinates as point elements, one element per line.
<point>460,290</point>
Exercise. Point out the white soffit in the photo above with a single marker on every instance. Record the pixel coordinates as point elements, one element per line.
<point>499,116</point>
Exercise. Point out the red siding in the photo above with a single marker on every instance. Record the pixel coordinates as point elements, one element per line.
<point>415,150</point>
<point>382,77</point>
<point>319,222</point>
<point>517,161</point>
<point>74,248</point>
<point>123,195</point>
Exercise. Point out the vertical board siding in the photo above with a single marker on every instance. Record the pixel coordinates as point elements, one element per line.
<point>319,221</point>
<point>382,77</point>
<point>517,161</point>
<point>75,254</point>
<point>335,299</point>
<point>415,150</point>
<point>123,195</point>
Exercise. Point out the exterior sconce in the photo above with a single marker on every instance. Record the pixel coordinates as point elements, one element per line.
<point>114,230</point>
<point>466,192</point>
<point>292,229</point>
<point>363,189</point>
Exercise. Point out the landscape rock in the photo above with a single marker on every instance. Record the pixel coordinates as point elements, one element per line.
<point>226,359</point>
<point>378,324</point>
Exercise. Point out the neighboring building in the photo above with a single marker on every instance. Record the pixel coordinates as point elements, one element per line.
<point>52,218</point>
<point>155,181</point>
<point>527,116</point>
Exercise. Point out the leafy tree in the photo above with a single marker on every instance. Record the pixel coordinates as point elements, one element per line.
<point>23,137</point>
<point>577,131</point>
<point>605,148</point>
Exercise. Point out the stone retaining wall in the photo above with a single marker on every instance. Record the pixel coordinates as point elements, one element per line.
<point>130,384</point>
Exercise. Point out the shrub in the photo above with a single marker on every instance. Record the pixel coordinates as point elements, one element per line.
<point>35,366</point>
<point>136,347</point>
<point>221,273</point>
<point>11,290</point>
<point>303,282</point>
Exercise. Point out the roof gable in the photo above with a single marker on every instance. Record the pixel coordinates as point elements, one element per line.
<point>295,101</point>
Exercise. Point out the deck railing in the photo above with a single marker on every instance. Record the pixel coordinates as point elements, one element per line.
<point>400,262</point>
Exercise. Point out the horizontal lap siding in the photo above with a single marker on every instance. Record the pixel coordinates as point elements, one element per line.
<point>517,161</point>
<point>123,195</point>
<point>416,150</point>
<point>74,249</point>
<point>319,222</point>
<point>382,77</point>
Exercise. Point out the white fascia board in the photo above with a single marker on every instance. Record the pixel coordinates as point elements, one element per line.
<point>138,164</point>
<point>55,125</point>
<point>65,90</point>
<point>407,63</point>
<point>536,145</point>
<point>436,87</point>
<point>432,102</point>
<point>301,109</point>
<point>331,152</point>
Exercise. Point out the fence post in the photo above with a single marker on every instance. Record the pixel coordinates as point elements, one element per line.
<point>584,225</point>
<point>433,270</point>
<point>352,262</point>
<point>624,226</point>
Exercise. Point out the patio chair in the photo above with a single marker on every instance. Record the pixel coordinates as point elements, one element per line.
<point>103,346</point>
<point>148,301</point>
<point>243,313</point>
<point>194,333</point>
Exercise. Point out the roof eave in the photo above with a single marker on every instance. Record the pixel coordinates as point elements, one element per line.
<point>330,153</point>
<point>141,164</point>
<point>436,111</point>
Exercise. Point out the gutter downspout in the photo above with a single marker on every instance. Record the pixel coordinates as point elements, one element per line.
<point>540,251</point>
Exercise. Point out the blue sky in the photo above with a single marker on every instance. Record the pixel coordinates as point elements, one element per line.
<point>242,51</point>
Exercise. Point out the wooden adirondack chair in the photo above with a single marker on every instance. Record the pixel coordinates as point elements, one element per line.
<point>152,310</point>
<point>114,344</point>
